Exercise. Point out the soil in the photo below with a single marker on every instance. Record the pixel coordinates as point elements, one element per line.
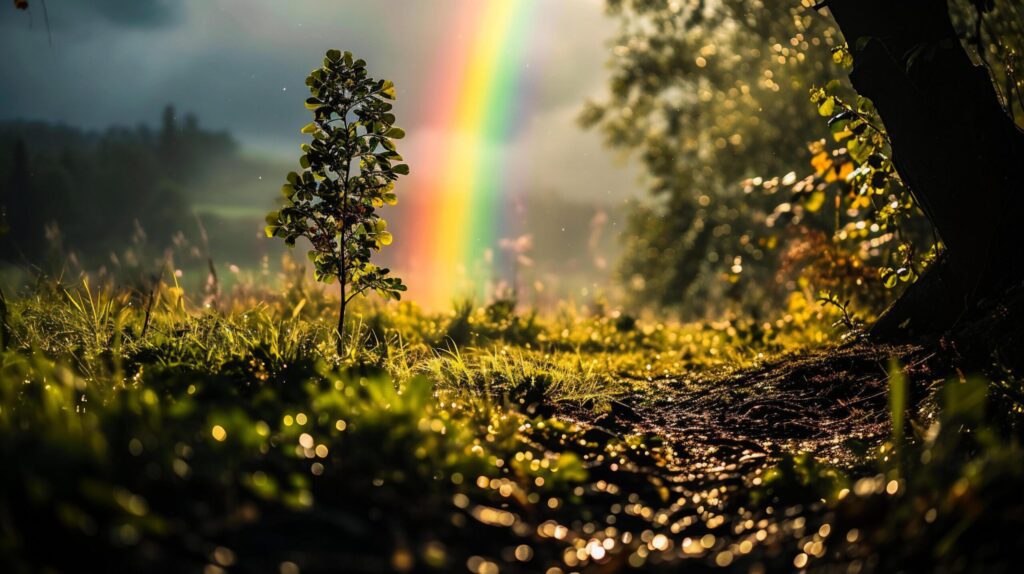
<point>726,431</point>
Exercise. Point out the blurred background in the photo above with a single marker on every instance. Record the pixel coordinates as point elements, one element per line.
<point>170,123</point>
<point>667,155</point>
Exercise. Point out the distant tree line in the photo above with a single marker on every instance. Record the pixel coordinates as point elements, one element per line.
<point>63,189</point>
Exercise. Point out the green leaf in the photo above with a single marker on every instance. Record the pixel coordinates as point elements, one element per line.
<point>841,56</point>
<point>343,88</point>
<point>859,149</point>
<point>897,399</point>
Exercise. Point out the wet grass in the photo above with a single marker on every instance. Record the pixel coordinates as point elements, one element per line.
<point>144,430</point>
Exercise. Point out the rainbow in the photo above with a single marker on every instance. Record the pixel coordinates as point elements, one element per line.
<point>449,246</point>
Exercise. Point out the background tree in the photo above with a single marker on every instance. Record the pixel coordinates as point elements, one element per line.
<point>885,222</point>
<point>709,94</point>
<point>694,84</point>
<point>349,170</point>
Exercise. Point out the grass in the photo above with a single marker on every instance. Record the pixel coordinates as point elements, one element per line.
<point>140,430</point>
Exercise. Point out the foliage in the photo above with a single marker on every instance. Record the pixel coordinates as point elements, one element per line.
<point>707,95</point>
<point>235,439</point>
<point>223,441</point>
<point>876,224</point>
<point>994,31</point>
<point>948,490</point>
<point>147,430</point>
<point>349,172</point>
<point>711,97</point>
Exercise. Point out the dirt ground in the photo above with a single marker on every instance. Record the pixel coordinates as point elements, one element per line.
<point>725,432</point>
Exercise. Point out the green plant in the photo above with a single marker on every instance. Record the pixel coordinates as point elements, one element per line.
<point>854,326</point>
<point>349,170</point>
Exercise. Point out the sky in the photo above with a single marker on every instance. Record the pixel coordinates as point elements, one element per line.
<point>240,65</point>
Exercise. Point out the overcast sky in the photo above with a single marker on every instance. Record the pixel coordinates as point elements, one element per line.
<point>240,65</point>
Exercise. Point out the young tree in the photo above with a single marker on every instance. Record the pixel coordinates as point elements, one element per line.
<point>349,170</point>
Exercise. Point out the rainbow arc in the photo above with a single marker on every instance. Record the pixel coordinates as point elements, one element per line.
<point>462,175</point>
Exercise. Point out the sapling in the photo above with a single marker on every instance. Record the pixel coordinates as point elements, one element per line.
<point>349,170</point>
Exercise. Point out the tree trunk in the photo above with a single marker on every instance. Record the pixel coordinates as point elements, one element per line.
<point>340,348</point>
<point>953,144</point>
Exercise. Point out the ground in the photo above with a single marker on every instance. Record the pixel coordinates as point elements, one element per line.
<point>152,433</point>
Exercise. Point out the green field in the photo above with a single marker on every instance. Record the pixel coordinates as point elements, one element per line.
<point>154,432</point>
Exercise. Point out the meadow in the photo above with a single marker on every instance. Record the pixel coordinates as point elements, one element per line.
<point>149,429</point>
<point>777,329</point>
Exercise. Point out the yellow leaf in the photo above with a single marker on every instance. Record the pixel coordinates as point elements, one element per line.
<point>827,107</point>
<point>821,162</point>
<point>815,202</point>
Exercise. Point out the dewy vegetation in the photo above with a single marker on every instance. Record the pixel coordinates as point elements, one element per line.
<point>150,426</point>
<point>146,434</point>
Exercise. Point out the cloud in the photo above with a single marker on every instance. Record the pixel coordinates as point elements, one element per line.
<point>80,16</point>
<point>136,13</point>
<point>240,65</point>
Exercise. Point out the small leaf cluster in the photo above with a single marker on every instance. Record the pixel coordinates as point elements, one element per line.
<point>349,170</point>
<point>875,218</point>
<point>879,206</point>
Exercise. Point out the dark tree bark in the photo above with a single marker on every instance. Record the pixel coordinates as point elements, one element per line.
<point>340,343</point>
<point>953,145</point>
